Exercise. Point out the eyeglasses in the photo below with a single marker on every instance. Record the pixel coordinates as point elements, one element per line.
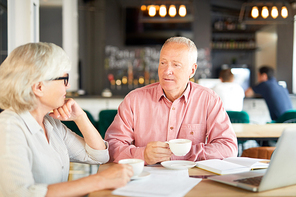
<point>66,79</point>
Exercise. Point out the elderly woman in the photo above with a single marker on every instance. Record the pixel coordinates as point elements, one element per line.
<point>35,147</point>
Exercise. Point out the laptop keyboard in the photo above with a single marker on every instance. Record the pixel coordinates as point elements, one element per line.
<point>250,181</point>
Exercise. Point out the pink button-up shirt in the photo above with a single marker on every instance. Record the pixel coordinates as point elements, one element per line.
<point>146,115</point>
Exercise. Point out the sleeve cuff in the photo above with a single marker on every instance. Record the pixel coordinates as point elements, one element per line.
<point>102,156</point>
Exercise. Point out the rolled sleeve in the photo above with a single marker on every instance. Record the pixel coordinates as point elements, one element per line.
<point>101,156</point>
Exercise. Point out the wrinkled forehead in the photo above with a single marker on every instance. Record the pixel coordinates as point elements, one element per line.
<point>176,48</point>
<point>175,45</point>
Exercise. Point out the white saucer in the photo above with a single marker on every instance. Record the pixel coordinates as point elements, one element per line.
<point>178,164</point>
<point>141,176</point>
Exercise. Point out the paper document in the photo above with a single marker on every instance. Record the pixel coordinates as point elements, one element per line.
<point>161,182</point>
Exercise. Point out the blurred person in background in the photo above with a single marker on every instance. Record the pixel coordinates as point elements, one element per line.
<point>231,93</point>
<point>276,96</point>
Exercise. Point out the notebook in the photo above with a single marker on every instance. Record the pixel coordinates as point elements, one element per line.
<point>232,165</point>
<point>280,173</point>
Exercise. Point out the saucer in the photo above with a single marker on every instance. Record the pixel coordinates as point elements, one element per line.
<point>141,176</point>
<point>178,164</point>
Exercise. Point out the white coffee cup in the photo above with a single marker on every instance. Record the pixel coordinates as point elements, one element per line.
<point>180,147</point>
<point>137,164</point>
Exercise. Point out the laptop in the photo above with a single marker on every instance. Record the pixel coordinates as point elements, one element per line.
<point>280,173</point>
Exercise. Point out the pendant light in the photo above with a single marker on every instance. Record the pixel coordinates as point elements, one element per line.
<point>274,12</point>
<point>255,12</point>
<point>182,10</point>
<point>162,11</point>
<point>284,12</point>
<point>152,10</point>
<point>264,12</point>
<point>172,11</point>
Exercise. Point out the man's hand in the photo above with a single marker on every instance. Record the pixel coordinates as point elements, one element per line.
<point>157,152</point>
<point>249,92</point>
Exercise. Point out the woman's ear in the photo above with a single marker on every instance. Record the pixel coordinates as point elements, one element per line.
<point>38,89</point>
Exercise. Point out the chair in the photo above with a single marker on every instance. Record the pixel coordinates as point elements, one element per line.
<point>71,124</point>
<point>238,116</point>
<point>287,117</point>
<point>106,117</point>
<point>258,152</point>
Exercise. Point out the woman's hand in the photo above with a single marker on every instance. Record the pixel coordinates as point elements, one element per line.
<point>116,176</point>
<point>70,110</point>
<point>113,177</point>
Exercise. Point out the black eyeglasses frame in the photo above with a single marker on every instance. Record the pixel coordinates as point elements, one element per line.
<point>66,79</point>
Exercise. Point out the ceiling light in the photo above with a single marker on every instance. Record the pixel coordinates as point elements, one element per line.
<point>143,7</point>
<point>157,7</point>
<point>258,11</point>
<point>264,12</point>
<point>162,11</point>
<point>274,12</point>
<point>255,12</point>
<point>284,12</point>
<point>182,10</point>
<point>152,10</point>
<point>172,11</point>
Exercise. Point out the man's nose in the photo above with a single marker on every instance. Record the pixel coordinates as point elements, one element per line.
<point>169,70</point>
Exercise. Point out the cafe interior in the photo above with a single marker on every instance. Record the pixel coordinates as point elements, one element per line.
<point>114,46</point>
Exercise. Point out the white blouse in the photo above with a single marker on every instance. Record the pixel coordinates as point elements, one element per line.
<point>28,162</point>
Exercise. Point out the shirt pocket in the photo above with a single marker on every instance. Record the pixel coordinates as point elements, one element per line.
<point>194,132</point>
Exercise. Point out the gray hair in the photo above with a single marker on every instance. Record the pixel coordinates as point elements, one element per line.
<point>26,65</point>
<point>189,43</point>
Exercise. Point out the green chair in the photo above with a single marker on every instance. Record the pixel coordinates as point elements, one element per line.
<point>71,124</point>
<point>106,117</point>
<point>238,116</point>
<point>287,117</point>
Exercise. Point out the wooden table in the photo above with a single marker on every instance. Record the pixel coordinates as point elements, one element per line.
<point>211,188</point>
<point>260,132</point>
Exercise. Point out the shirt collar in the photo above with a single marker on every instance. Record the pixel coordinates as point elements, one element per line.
<point>185,94</point>
<point>30,122</point>
<point>187,91</point>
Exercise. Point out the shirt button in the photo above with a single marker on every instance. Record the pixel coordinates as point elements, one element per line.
<point>173,108</point>
<point>191,133</point>
<point>171,128</point>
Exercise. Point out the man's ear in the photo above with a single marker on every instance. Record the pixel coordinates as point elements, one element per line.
<point>38,89</point>
<point>193,69</point>
<point>265,77</point>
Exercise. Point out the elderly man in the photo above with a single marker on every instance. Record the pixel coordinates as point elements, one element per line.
<point>172,108</point>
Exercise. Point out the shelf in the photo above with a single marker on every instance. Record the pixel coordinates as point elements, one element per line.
<point>235,50</point>
<point>233,32</point>
<point>186,19</point>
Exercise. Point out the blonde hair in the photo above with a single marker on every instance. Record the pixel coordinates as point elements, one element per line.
<point>26,65</point>
<point>189,43</point>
